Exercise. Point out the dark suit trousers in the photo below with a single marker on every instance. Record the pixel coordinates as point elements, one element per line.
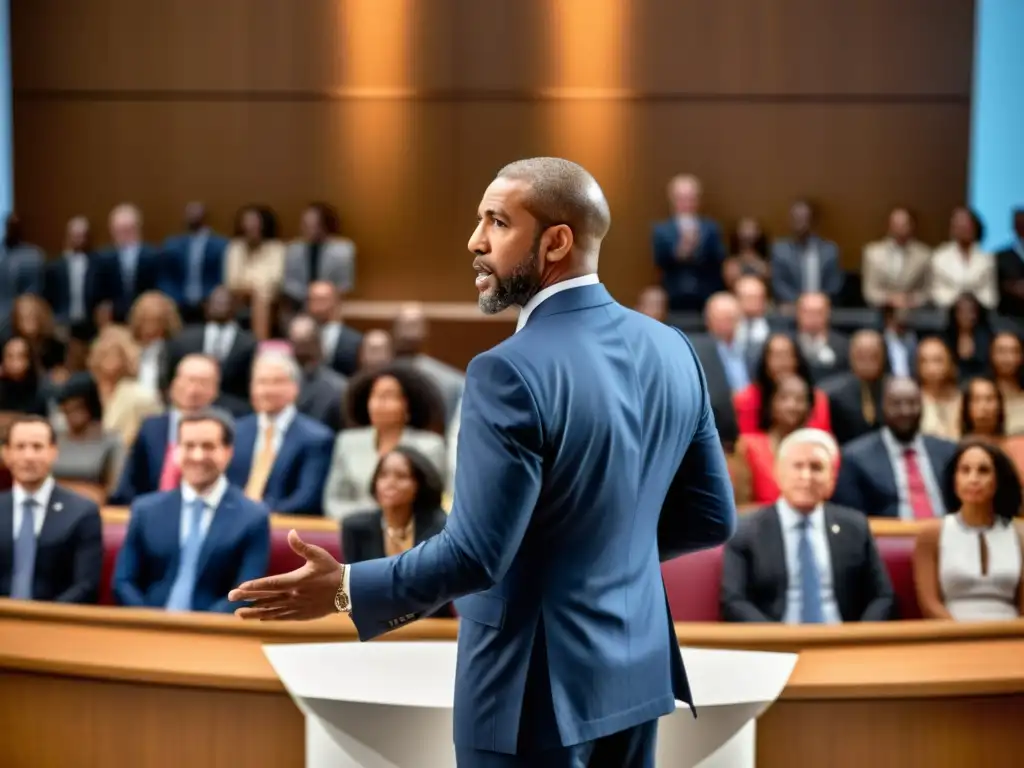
<point>632,748</point>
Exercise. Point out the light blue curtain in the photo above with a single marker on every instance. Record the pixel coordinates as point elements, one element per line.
<point>997,117</point>
<point>6,169</point>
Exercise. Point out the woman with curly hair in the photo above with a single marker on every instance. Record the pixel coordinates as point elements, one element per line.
<point>114,365</point>
<point>387,407</point>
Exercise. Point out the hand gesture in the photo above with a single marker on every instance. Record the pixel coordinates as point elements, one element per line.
<point>305,593</point>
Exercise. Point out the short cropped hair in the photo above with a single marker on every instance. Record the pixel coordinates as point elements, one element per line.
<point>217,416</point>
<point>28,419</point>
<point>284,359</point>
<point>809,436</point>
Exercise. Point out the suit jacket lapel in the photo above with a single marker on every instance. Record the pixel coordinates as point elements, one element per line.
<point>167,535</point>
<point>836,543</point>
<point>6,540</point>
<point>54,522</point>
<point>774,548</point>
<point>219,527</point>
<point>288,447</point>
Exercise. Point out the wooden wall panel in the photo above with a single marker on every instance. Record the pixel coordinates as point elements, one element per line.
<point>401,111</point>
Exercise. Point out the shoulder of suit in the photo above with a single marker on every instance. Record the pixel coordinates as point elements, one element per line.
<point>255,508</point>
<point>149,501</point>
<point>313,427</point>
<point>847,515</point>
<point>72,500</point>
<point>940,443</point>
<point>748,523</point>
<point>863,445</point>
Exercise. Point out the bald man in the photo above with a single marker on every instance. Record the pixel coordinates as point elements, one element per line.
<point>855,398</point>
<point>576,432</point>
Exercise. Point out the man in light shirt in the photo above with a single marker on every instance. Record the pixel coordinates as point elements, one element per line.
<point>803,560</point>
<point>185,548</point>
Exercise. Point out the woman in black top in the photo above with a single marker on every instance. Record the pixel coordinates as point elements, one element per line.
<point>20,385</point>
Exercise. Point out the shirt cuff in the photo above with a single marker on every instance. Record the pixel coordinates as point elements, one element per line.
<point>344,586</point>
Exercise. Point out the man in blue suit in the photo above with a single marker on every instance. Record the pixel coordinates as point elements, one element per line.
<point>587,453</point>
<point>51,542</point>
<point>895,471</point>
<point>192,263</point>
<point>688,249</point>
<point>185,548</point>
<point>126,269</point>
<point>282,457</point>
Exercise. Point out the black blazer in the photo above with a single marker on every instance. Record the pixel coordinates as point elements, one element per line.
<point>754,576</point>
<point>57,290</point>
<point>362,538</point>
<point>69,549</point>
<point>110,285</point>
<point>718,383</point>
<point>235,370</point>
<point>346,352</point>
<point>846,408</point>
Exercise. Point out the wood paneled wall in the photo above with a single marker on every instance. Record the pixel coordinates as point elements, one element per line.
<point>400,112</point>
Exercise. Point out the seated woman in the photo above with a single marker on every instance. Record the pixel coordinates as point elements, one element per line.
<point>780,359</point>
<point>748,248</point>
<point>387,407</point>
<point>153,321</point>
<point>254,266</point>
<point>114,363</point>
<point>21,388</point>
<point>32,319</point>
<point>940,391</point>
<point>969,336</point>
<point>983,417</point>
<point>967,565</point>
<point>87,454</point>
<point>790,406</point>
<point>1007,358</point>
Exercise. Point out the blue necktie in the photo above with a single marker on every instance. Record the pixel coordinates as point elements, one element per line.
<point>184,585</point>
<point>194,286</point>
<point>811,610</point>
<point>24,570</point>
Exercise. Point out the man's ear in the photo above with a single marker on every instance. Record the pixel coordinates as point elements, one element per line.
<point>556,242</point>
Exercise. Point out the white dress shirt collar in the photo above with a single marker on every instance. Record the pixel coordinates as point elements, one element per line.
<point>791,518</point>
<point>42,498</point>
<point>211,499</point>
<point>281,421</point>
<point>541,296</point>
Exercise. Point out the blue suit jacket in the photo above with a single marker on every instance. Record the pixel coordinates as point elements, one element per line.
<point>236,548</point>
<point>689,283</point>
<point>174,265</point>
<point>145,462</point>
<point>296,483</point>
<point>574,434</point>
<point>788,272</point>
<point>109,280</point>
<point>69,550</point>
<point>866,481</point>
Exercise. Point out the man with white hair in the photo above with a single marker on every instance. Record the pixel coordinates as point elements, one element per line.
<point>128,267</point>
<point>281,457</point>
<point>803,560</point>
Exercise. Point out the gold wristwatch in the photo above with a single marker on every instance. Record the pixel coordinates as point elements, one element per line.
<point>341,601</point>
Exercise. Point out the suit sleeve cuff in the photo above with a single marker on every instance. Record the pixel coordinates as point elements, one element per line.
<point>345,585</point>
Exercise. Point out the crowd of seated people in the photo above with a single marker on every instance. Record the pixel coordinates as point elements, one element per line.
<point>118,352</point>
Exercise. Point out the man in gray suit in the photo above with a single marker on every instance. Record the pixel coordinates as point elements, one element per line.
<point>410,334</point>
<point>21,271</point>
<point>804,263</point>
<point>322,390</point>
<point>319,255</point>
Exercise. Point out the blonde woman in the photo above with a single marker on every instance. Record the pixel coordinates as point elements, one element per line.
<point>114,364</point>
<point>153,321</point>
<point>940,394</point>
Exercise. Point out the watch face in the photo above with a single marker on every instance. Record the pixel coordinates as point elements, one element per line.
<point>341,601</point>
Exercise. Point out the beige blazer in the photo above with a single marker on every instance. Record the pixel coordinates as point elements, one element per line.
<point>130,404</point>
<point>883,275</point>
<point>355,460</point>
<point>952,275</point>
<point>260,272</point>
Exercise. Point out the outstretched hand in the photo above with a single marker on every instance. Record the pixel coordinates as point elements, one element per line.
<point>305,593</point>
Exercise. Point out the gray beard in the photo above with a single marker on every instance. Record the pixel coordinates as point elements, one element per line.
<point>515,290</point>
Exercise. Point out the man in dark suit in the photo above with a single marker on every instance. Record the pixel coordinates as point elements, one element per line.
<point>558,563</point>
<point>51,542</point>
<point>128,267</point>
<point>21,270</point>
<point>152,462</point>
<point>855,398</point>
<point>339,343</point>
<point>896,471</point>
<point>1010,265</point>
<point>826,351</point>
<point>322,390</point>
<point>724,360</point>
<point>221,338</point>
<point>805,263</point>
<point>186,547</point>
<point>900,342</point>
<point>802,560</point>
<point>281,457</point>
<point>688,249</point>
<point>192,263</point>
<point>69,282</point>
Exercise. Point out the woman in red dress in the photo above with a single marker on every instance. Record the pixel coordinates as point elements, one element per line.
<point>780,359</point>
<point>790,407</point>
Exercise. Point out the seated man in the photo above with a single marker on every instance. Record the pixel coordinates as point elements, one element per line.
<point>151,464</point>
<point>855,398</point>
<point>282,457</point>
<point>895,471</point>
<point>56,553</point>
<point>186,548</point>
<point>801,560</point>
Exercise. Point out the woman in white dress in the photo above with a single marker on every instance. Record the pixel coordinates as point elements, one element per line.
<point>967,565</point>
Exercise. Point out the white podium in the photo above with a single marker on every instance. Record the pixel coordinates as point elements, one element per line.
<point>389,705</point>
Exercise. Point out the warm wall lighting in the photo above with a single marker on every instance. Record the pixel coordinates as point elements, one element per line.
<point>375,46</point>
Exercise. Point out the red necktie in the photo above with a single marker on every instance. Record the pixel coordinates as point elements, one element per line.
<point>170,475</point>
<point>920,502</point>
